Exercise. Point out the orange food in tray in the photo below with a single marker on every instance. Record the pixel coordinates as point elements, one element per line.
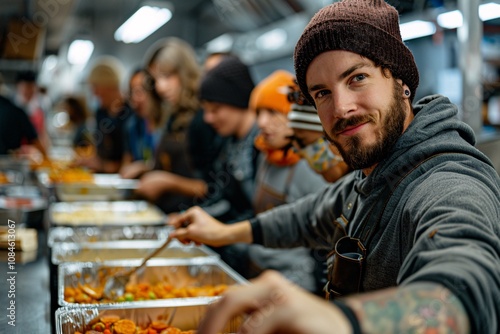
<point>48,164</point>
<point>84,294</point>
<point>116,325</point>
<point>3,178</point>
<point>71,175</point>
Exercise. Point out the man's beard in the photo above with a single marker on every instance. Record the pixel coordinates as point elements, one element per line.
<point>358,156</point>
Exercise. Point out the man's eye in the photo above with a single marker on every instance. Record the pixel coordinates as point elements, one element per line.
<point>359,77</point>
<point>320,94</point>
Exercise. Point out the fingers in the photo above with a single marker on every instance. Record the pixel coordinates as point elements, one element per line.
<point>260,300</point>
<point>180,234</point>
<point>234,303</point>
<point>180,220</point>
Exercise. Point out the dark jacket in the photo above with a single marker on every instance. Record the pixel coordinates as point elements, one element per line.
<point>15,126</point>
<point>441,224</point>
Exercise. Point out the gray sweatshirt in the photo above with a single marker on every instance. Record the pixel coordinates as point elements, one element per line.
<point>441,224</point>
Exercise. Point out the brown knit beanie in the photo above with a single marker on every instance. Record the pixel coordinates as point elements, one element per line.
<point>369,28</point>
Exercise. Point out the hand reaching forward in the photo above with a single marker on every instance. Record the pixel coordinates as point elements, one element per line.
<point>195,225</point>
<point>274,305</point>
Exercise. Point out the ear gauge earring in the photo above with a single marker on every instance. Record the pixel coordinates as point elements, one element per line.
<point>407,92</point>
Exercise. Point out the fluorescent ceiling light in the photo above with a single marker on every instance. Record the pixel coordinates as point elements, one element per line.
<point>272,40</point>
<point>489,11</point>
<point>50,63</point>
<point>80,51</point>
<point>454,19</point>
<point>450,20</point>
<point>416,29</point>
<point>142,24</point>
<point>223,43</point>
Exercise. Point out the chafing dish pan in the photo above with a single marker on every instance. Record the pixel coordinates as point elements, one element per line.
<point>177,272</point>
<point>108,234</point>
<point>69,320</point>
<point>120,250</point>
<point>103,187</point>
<point>103,213</point>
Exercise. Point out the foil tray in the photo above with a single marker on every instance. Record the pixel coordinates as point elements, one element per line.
<point>121,250</point>
<point>11,176</point>
<point>106,187</point>
<point>104,213</point>
<point>91,234</point>
<point>16,166</point>
<point>22,197</point>
<point>100,179</point>
<point>178,272</point>
<point>69,320</point>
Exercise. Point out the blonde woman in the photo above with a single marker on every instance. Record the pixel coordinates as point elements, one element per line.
<point>188,145</point>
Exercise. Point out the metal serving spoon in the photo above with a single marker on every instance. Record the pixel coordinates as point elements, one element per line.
<point>114,286</point>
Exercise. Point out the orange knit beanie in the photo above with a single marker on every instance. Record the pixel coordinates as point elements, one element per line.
<point>272,92</point>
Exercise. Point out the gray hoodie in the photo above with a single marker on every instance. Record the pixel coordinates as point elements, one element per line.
<point>441,224</point>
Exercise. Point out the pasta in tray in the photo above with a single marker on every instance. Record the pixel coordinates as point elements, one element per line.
<point>100,218</point>
<point>106,213</point>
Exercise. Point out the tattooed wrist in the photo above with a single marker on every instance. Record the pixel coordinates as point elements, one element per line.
<point>415,308</point>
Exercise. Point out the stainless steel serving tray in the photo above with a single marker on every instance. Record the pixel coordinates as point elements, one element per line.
<point>89,234</point>
<point>13,176</point>
<point>20,203</point>
<point>17,168</point>
<point>120,250</point>
<point>22,197</point>
<point>105,187</point>
<point>104,213</point>
<point>178,272</point>
<point>69,320</point>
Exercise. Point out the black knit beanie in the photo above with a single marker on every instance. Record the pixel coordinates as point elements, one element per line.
<point>369,28</point>
<point>229,82</point>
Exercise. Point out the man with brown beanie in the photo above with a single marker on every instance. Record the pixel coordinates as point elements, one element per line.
<point>414,231</point>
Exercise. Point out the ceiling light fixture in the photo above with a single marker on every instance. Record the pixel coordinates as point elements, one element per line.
<point>489,11</point>
<point>79,51</point>
<point>223,43</point>
<point>416,29</point>
<point>272,39</point>
<point>454,19</point>
<point>142,23</point>
<point>450,20</point>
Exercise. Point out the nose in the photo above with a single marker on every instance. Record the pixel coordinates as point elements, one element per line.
<point>207,116</point>
<point>343,103</point>
<point>262,119</point>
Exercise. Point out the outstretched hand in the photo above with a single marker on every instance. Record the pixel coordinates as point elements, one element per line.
<point>274,305</point>
<point>195,225</point>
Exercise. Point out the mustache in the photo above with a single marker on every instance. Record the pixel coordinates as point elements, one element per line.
<point>344,123</point>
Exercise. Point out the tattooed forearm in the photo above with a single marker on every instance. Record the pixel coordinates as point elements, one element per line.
<point>416,308</point>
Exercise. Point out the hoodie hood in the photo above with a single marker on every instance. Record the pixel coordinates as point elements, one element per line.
<point>435,129</point>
